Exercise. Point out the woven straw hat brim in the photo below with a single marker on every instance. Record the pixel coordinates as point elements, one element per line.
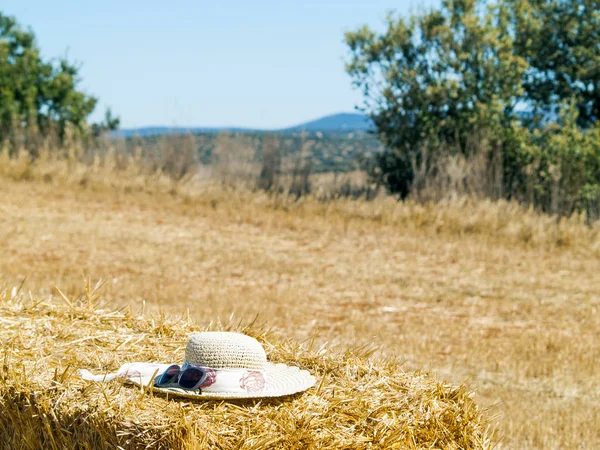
<point>282,380</point>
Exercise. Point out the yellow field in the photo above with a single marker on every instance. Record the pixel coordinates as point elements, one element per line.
<point>478,291</point>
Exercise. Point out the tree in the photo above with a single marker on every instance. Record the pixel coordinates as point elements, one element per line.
<point>434,79</point>
<point>110,123</point>
<point>521,76</point>
<point>37,95</point>
<point>560,40</point>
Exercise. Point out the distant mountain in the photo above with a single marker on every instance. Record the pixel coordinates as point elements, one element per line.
<point>336,122</point>
<point>161,130</point>
<point>342,122</point>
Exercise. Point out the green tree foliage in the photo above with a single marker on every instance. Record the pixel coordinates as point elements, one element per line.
<point>563,163</point>
<point>448,79</point>
<point>560,40</point>
<point>434,78</point>
<point>110,123</point>
<point>37,95</point>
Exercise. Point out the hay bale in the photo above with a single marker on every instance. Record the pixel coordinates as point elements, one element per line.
<point>359,402</point>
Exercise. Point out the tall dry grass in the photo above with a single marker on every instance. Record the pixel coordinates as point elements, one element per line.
<point>342,197</point>
<point>557,174</point>
<point>480,290</point>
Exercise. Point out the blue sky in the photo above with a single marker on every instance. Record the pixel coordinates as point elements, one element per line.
<point>259,63</point>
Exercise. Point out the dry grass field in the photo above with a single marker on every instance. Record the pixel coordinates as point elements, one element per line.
<point>476,291</point>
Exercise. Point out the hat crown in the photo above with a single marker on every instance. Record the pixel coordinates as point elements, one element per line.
<point>225,350</point>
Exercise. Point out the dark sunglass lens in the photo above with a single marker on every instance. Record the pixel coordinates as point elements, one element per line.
<point>168,376</point>
<point>190,378</point>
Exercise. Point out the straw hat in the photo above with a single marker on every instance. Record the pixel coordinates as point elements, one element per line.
<point>237,368</point>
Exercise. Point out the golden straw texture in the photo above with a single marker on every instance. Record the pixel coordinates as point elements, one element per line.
<point>360,402</point>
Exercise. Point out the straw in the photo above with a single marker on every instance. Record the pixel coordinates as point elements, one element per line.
<point>359,402</point>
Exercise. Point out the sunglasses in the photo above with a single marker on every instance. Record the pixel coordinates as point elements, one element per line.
<point>189,378</point>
